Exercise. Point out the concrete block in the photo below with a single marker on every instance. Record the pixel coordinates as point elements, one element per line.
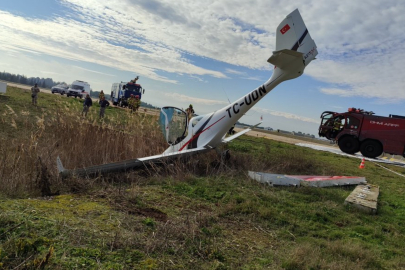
<point>364,198</point>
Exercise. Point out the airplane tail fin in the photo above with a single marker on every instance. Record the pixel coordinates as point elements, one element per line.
<point>293,43</point>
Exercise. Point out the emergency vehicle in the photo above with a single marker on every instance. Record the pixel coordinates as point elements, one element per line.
<point>121,92</point>
<point>359,130</point>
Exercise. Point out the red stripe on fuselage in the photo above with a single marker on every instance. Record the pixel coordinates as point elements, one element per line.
<point>198,134</point>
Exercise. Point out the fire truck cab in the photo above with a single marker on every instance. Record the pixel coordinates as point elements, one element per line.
<point>359,130</point>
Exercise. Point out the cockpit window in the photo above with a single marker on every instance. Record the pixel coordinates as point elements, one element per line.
<point>173,123</point>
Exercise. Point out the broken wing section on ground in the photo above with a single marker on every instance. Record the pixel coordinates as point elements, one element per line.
<point>126,164</point>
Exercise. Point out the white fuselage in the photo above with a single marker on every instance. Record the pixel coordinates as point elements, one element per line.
<point>211,128</point>
<point>295,49</point>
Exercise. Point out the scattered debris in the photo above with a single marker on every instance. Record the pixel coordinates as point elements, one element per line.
<point>364,197</point>
<point>274,179</point>
<point>306,180</point>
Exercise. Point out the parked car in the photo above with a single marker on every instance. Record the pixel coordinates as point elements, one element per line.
<point>60,89</point>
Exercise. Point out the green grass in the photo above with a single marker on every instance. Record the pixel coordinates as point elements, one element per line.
<point>16,104</point>
<point>201,214</point>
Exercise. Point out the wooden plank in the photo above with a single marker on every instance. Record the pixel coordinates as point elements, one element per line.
<point>364,198</point>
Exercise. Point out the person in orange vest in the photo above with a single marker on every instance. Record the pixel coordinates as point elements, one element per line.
<point>101,95</point>
<point>137,103</point>
<point>131,103</point>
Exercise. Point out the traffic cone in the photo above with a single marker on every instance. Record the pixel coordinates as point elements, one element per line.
<point>362,164</point>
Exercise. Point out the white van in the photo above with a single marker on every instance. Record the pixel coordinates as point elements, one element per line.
<point>79,89</point>
<point>116,92</point>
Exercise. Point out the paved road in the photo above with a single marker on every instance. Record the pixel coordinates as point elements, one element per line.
<point>26,87</point>
<point>282,138</point>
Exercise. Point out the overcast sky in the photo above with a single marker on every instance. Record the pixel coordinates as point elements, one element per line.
<point>209,54</point>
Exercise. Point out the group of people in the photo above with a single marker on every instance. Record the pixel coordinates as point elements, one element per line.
<point>88,102</point>
<point>133,103</point>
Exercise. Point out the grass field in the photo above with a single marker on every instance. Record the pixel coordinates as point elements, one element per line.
<point>200,214</point>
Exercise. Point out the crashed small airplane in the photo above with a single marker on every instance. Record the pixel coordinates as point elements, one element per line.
<point>295,49</point>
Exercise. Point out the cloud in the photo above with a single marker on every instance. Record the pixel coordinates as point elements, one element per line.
<point>371,75</point>
<point>232,71</point>
<point>358,55</point>
<point>98,72</point>
<point>189,99</point>
<point>253,78</point>
<point>197,78</point>
<point>286,115</point>
<point>337,92</point>
<point>76,40</point>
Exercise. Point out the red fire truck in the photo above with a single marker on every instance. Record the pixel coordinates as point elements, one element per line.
<point>358,130</point>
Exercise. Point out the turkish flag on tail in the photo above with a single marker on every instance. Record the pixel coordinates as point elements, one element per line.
<point>285,29</point>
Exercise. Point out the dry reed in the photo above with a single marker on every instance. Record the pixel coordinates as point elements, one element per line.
<point>29,159</point>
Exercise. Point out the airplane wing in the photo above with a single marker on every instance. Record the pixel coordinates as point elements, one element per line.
<point>127,164</point>
<point>240,133</point>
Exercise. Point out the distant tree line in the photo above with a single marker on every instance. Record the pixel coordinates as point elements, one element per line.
<point>17,78</point>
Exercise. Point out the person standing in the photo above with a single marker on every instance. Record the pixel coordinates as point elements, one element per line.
<point>137,103</point>
<point>103,104</point>
<point>190,112</point>
<point>131,103</point>
<point>101,95</point>
<point>86,105</point>
<point>34,94</point>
